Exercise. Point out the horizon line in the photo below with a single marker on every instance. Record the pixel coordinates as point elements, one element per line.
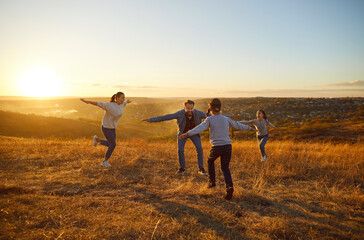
<point>190,97</point>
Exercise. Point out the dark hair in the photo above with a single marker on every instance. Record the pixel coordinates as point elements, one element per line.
<point>115,96</point>
<point>214,106</point>
<point>189,102</point>
<point>264,114</point>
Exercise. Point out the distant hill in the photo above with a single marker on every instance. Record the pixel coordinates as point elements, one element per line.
<point>30,125</point>
<point>318,119</point>
<point>23,125</point>
<point>281,111</point>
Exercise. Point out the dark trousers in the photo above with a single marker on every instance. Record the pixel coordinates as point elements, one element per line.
<point>224,152</point>
<point>110,141</point>
<point>196,140</point>
<point>262,140</point>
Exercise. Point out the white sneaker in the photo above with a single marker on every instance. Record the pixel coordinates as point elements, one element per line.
<point>105,164</point>
<point>264,159</point>
<point>95,140</point>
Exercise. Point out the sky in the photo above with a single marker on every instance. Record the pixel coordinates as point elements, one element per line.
<point>198,48</point>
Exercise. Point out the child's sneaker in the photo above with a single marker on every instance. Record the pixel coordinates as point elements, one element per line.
<point>95,140</point>
<point>202,171</point>
<point>264,159</point>
<point>229,193</point>
<point>181,171</point>
<point>105,164</point>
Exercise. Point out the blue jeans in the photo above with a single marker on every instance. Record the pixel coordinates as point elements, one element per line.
<point>262,140</point>
<point>196,140</point>
<point>224,152</point>
<point>110,141</point>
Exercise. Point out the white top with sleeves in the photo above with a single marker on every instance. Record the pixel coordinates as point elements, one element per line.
<point>219,129</point>
<point>261,126</point>
<point>113,113</point>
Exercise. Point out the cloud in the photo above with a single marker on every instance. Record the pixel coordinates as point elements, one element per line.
<point>358,83</point>
<point>145,87</point>
<point>96,85</point>
<point>311,91</point>
<point>136,87</point>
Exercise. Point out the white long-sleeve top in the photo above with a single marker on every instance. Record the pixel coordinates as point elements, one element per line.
<point>261,126</point>
<point>113,113</point>
<point>219,129</point>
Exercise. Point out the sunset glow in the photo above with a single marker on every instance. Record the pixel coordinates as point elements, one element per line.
<point>182,48</point>
<point>40,82</point>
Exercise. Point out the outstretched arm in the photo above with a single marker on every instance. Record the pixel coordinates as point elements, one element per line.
<point>202,114</point>
<point>163,118</point>
<point>88,102</point>
<point>126,102</point>
<point>240,126</point>
<point>271,124</point>
<point>196,130</point>
<point>245,122</point>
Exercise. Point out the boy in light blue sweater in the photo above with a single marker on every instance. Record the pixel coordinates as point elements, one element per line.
<point>221,143</point>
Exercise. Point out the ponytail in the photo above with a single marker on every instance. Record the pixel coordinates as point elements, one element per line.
<point>115,96</point>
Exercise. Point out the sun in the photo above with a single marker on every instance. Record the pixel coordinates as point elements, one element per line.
<point>40,82</point>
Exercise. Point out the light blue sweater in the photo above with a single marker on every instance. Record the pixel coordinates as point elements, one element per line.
<point>219,129</point>
<point>261,126</point>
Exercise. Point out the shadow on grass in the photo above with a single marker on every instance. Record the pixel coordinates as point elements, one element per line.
<point>305,219</point>
<point>139,174</point>
<point>179,211</point>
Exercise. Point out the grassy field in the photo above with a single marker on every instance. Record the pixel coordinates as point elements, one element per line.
<point>56,189</point>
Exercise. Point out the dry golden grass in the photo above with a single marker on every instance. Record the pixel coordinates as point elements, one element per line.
<point>56,189</point>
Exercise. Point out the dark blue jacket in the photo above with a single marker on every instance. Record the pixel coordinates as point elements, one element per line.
<point>181,118</point>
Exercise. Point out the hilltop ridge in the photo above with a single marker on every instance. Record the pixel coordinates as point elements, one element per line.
<point>309,119</point>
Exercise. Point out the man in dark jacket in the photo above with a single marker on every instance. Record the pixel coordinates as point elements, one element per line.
<point>187,119</point>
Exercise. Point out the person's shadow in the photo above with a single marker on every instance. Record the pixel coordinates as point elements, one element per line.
<point>179,211</point>
<point>136,173</point>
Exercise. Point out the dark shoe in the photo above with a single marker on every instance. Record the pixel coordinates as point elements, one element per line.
<point>181,171</point>
<point>211,185</point>
<point>229,193</point>
<point>202,171</point>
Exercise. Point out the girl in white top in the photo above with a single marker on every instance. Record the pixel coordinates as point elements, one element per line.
<point>113,112</point>
<point>261,124</point>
